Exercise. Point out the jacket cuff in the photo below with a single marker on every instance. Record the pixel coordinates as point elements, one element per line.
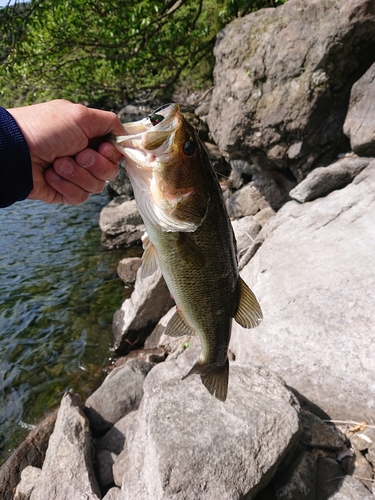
<point>16,181</point>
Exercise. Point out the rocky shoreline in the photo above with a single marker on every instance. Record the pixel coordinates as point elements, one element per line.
<point>294,129</point>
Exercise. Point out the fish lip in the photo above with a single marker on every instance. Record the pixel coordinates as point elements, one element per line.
<point>145,142</point>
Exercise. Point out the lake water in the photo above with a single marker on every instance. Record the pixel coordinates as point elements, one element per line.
<point>58,292</point>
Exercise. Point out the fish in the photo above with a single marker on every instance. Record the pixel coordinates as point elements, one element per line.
<point>189,236</point>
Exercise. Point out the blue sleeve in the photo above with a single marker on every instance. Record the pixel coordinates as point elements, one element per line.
<point>16,179</point>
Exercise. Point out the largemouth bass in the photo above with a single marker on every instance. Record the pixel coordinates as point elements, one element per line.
<point>190,236</point>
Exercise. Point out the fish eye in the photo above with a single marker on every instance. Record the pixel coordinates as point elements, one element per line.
<point>189,148</point>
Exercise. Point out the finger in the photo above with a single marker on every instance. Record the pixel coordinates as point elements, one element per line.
<point>68,169</point>
<point>98,123</point>
<point>101,164</point>
<point>66,192</point>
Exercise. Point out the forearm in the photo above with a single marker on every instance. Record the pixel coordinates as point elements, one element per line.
<point>16,181</point>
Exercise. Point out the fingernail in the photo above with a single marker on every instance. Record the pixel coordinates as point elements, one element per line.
<point>53,176</point>
<point>86,159</point>
<point>66,167</point>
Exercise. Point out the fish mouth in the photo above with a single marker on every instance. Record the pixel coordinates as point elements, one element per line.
<point>151,138</point>
<point>149,149</point>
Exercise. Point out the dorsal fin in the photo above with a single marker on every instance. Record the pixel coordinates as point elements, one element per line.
<point>249,313</point>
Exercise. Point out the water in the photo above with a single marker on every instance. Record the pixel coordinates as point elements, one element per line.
<point>58,292</point>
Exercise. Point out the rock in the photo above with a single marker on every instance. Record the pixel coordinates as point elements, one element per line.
<point>114,439</point>
<point>371,455</point>
<point>67,470</point>
<point>358,466</point>
<point>120,466</point>
<point>246,230</point>
<point>264,215</point>
<point>127,269</point>
<point>104,461</point>
<point>313,276</point>
<point>242,168</point>
<point>153,340</point>
<point>245,201</point>
<point>121,223</point>
<point>218,161</point>
<point>274,186</point>
<point>350,488</point>
<point>121,184</point>
<point>235,182</point>
<point>329,477</point>
<point>324,180</point>
<point>359,125</point>
<point>30,453</point>
<point>363,440</point>
<point>155,355</point>
<point>113,494</point>
<point>319,434</point>
<point>299,483</point>
<point>283,105</point>
<point>140,313</point>
<point>29,477</point>
<point>120,393</point>
<point>184,440</point>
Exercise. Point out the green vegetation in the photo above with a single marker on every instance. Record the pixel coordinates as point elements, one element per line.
<point>106,52</point>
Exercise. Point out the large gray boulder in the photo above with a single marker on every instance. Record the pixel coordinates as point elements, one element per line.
<point>314,277</point>
<point>282,82</point>
<point>360,123</point>
<point>184,444</point>
<point>67,470</point>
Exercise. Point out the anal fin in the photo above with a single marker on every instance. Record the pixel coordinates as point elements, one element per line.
<point>177,327</point>
<point>249,313</point>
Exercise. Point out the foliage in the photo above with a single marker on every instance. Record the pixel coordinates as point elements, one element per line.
<point>107,51</point>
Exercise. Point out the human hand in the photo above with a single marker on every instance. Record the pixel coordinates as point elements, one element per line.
<point>69,158</point>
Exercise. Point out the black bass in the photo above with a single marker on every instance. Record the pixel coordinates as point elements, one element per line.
<point>190,236</point>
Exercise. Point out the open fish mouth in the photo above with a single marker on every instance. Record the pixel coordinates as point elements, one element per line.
<point>150,138</point>
<point>150,148</point>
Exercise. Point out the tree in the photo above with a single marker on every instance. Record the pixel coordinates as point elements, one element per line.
<point>102,52</point>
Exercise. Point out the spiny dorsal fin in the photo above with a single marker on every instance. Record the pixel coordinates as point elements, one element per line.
<point>150,261</point>
<point>177,327</point>
<point>249,313</point>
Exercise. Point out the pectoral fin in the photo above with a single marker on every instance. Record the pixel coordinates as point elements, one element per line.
<point>150,261</point>
<point>177,327</point>
<point>249,313</point>
<point>189,251</point>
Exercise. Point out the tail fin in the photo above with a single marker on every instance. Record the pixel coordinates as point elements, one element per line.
<point>215,380</point>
